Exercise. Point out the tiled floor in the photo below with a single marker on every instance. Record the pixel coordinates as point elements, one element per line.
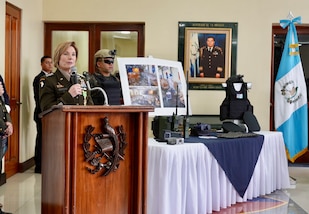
<point>22,195</point>
<point>300,193</point>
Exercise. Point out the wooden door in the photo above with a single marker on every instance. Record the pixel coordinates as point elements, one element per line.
<point>12,82</point>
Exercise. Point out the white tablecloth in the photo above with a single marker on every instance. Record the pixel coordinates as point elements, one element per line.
<point>186,179</point>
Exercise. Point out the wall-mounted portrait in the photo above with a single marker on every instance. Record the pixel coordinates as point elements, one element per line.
<point>208,53</point>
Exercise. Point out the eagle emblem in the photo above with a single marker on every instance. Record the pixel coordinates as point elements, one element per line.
<point>291,92</point>
<point>108,149</point>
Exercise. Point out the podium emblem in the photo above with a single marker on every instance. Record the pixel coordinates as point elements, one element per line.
<point>108,149</point>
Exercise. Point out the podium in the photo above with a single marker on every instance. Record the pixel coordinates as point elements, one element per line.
<point>68,187</point>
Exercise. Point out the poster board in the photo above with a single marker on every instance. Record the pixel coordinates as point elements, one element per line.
<point>156,82</point>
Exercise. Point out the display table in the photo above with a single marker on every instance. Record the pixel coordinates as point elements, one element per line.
<point>188,179</point>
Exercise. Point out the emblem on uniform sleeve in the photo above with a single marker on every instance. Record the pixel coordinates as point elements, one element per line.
<point>42,81</point>
<point>104,151</point>
<point>290,92</point>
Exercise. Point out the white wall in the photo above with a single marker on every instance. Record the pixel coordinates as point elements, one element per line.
<point>254,18</point>
<point>31,52</point>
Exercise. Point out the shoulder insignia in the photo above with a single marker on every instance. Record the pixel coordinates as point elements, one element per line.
<point>42,79</point>
<point>203,47</point>
<point>218,49</point>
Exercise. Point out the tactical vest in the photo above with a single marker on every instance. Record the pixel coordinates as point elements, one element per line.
<point>236,102</point>
<point>111,86</point>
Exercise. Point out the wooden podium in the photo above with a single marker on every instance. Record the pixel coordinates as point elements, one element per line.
<point>68,187</point>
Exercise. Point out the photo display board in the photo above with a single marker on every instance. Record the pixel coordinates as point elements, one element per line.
<point>156,82</point>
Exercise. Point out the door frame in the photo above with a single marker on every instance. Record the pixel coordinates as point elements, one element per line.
<point>94,29</point>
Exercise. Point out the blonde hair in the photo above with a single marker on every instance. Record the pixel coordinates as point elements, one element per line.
<point>61,49</point>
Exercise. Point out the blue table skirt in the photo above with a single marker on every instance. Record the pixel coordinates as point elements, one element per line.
<point>236,156</point>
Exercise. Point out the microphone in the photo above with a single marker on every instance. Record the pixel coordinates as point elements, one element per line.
<point>74,75</point>
<point>86,76</point>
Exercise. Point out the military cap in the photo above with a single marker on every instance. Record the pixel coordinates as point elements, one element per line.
<point>105,53</point>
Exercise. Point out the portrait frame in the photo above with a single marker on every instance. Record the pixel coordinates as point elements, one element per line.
<point>196,61</point>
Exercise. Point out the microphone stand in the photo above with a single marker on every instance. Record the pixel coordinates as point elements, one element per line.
<point>102,91</point>
<point>186,122</point>
<point>85,77</point>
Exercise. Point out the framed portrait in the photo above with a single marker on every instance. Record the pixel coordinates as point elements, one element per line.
<point>208,53</point>
<point>156,82</point>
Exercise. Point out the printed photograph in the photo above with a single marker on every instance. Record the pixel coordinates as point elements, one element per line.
<point>156,82</point>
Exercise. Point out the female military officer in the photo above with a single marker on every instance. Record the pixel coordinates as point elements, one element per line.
<point>59,88</point>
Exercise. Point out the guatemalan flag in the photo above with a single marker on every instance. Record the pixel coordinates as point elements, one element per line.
<point>291,113</point>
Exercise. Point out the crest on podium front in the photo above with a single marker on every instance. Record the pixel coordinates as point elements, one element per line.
<point>107,152</point>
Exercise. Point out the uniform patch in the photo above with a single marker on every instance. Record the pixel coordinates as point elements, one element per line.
<point>59,85</point>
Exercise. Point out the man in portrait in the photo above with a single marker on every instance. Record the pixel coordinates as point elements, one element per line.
<point>211,59</point>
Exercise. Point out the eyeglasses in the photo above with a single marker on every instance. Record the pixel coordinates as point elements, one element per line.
<point>108,61</point>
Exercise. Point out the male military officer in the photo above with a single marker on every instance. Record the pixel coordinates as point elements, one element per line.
<point>46,70</point>
<point>211,60</point>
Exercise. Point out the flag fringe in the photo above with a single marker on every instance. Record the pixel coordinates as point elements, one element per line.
<point>293,159</point>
